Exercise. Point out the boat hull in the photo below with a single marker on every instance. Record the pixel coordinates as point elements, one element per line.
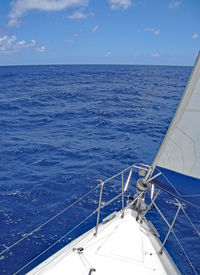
<point>122,246</point>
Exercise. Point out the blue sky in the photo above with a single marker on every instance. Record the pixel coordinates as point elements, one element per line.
<point>163,32</point>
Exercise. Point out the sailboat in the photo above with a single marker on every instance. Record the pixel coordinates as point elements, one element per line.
<point>126,242</point>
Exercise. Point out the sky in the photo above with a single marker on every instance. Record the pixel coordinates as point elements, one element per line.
<point>149,32</point>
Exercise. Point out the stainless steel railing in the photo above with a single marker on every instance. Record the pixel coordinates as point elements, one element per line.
<point>124,188</point>
<point>125,177</point>
<point>171,226</point>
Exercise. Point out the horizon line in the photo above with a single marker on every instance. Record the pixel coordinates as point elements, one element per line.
<point>92,64</point>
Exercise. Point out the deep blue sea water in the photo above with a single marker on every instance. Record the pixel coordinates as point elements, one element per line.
<point>65,127</point>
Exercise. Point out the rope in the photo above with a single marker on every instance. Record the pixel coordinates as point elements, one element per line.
<point>184,253</point>
<point>178,196</point>
<point>65,209</point>
<point>48,221</point>
<point>59,240</point>
<point>170,183</point>
<point>194,227</point>
<point>71,230</point>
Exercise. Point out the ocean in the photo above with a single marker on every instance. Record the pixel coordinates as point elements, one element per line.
<point>63,128</point>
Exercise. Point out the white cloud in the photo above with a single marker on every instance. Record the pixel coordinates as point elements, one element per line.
<point>195,36</point>
<point>78,15</point>
<point>20,7</point>
<point>41,49</point>
<point>118,4</point>
<point>154,31</point>
<point>107,54</point>
<point>11,44</point>
<point>76,34</point>
<point>174,4</point>
<point>95,29</point>
<point>155,55</point>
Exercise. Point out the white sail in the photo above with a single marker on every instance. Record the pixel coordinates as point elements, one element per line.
<point>180,150</point>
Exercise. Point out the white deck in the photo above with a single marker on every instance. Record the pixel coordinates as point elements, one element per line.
<point>122,246</point>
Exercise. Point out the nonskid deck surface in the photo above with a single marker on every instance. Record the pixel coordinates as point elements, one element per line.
<point>122,246</point>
